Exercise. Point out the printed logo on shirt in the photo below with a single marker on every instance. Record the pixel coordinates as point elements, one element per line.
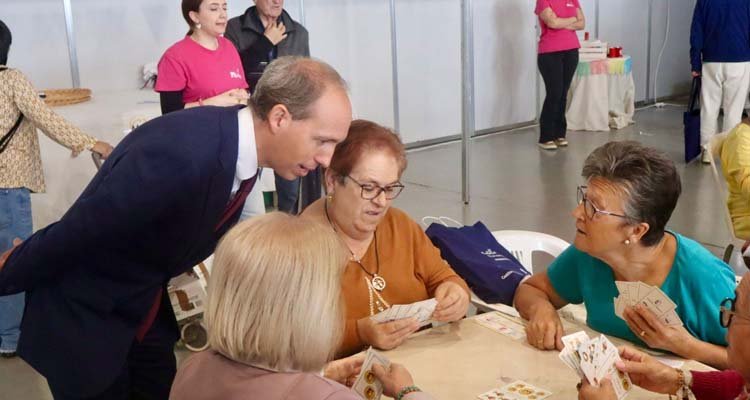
<point>235,74</point>
<point>569,4</point>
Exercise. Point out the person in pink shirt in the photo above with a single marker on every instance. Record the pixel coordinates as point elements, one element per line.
<point>204,68</point>
<point>557,61</point>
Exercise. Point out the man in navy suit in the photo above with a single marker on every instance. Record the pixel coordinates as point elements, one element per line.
<point>98,322</point>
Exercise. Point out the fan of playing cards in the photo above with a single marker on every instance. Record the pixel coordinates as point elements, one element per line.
<point>651,297</point>
<point>367,385</point>
<point>421,311</point>
<point>595,359</point>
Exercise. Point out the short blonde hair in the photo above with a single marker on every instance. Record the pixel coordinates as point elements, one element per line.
<point>274,297</point>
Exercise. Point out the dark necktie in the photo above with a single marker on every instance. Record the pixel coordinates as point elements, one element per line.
<point>235,204</point>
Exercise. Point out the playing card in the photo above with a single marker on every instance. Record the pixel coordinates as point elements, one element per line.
<point>496,394</point>
<point>620,304</point>
<point>570,358</point>
<point>587,352</point>
<point>574,340</point>
<point>604,357</point>
<point>624,288</point>
<point>642,291</point>
<point>524,391</point>
<point>367,385</point>
<point>421,311</point>
<point>620,381</point>
<point>658,302</point>
<point>670,318</point>
<point>496,322</point>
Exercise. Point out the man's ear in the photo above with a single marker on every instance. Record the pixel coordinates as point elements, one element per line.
<point>279,117</point>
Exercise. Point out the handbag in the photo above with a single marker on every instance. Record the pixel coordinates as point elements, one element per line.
<point>487,267</point>
<point>5,140</point>
<point>692,121</point>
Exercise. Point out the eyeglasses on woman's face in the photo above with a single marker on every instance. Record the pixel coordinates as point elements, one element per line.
<point>371,191</point>
<point>590,209</point>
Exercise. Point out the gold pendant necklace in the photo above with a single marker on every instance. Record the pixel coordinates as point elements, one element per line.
<point>378,282</point>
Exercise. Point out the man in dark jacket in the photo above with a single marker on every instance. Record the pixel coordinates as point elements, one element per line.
<point>98,322</point>
<point>263,33</point>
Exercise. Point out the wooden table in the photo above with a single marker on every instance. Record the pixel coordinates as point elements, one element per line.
<point>461,360</point>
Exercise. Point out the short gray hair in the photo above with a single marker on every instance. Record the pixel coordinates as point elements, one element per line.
<point>646,176</point>
<point>274,298</point>
<point>295,82</point>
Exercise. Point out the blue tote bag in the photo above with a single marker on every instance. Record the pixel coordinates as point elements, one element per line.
<point>692,121</point>
<point>487,267</point>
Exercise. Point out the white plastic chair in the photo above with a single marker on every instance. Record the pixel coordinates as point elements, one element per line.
<point>522,245</point>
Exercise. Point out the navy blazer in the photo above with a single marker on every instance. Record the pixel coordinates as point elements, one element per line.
<point>148,215</point>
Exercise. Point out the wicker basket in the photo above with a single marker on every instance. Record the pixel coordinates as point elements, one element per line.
<point>63,97</point>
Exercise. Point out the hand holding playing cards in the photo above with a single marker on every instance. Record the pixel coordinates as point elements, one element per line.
<point>386,335</point>
<point>605,391</point>
<point>544,330</point>
<point>655,333</point>
<point>4,256</point>
<point>648,373</point>
<point>394,379</point>
<point>453,301</point>
<point>345,370</point>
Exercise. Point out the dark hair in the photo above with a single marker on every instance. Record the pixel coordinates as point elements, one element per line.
<point>187,6</point>
<point>647,177</point>
<point>5,40</point>
<point>364,137</point>
<point>296,82</point>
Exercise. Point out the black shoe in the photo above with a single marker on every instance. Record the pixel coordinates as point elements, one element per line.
<point>9,354</point>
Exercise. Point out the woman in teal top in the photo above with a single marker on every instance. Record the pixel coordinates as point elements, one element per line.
<point>620,236</point>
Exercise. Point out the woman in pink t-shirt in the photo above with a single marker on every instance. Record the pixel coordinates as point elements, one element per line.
<point>557,61</point>
<point>203,68</point>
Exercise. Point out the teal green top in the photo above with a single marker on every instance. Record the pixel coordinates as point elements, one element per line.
<point>697,283</point>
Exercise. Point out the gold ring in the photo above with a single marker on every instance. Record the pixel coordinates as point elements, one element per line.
<point>643,333</point>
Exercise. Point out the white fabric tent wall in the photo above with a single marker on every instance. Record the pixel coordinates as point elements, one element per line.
<point>114,39</point>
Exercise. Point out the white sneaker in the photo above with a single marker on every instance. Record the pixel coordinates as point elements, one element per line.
<point>705,156</point>
<point>548,145</point>
<point>561,142</point>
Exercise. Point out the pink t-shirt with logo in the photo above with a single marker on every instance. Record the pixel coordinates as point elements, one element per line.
<point>198,72</point>
<point>557,39</point>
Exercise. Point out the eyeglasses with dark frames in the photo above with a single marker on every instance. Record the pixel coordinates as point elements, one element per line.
<point>371,191</point>
<point>728,310</point>
<point>590,209</point>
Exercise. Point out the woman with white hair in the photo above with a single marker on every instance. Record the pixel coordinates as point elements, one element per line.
<point>275,318</point>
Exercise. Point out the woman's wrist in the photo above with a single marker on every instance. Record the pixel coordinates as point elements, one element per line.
<point>406,390</point>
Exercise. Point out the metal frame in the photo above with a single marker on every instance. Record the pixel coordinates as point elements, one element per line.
<point>72,53</point>
<point>648,50</point>
<point>467,95</point>
<point>394,67</point>
<point>596,19</point>
<point>302,12</point>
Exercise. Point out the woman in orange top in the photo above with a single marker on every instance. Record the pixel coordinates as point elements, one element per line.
<point>392,260</point>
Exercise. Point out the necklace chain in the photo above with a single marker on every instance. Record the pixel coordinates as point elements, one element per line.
<point>354,257</point>
<point>378,282</point>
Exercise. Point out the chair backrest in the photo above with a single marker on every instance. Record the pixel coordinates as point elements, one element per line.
<point>522,244</point>
<point>715,146</point>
